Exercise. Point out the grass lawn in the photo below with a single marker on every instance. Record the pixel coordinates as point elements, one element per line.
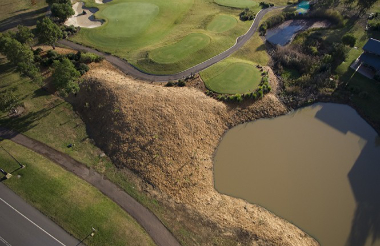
<point>47,187</point>
<point>237,3</point>
<point>129,19</point>
<point>180,50</point>
<point>232,76</point>
<point>222,23</point>
<point>156,31</point>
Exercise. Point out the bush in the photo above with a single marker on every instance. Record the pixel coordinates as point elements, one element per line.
<point>181,83</point>
<point>52,54</point>
<point>37,51</point>
<point>247,15</point>
<point>7,100</point>
<point>332,15</point>
<point>89,57</point>
<point>349,40</point>
<point>82,68</point>
<point>169,84</point>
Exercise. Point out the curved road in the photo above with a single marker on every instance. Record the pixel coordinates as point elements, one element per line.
<point>152,225</point>
<point>127,68</point>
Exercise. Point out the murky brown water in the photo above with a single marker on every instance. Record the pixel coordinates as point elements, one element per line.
<point>318,167</point>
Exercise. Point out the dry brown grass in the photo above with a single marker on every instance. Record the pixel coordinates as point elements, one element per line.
<point>168,136</point>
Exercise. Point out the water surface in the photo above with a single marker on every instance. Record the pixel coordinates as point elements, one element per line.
<point>318,167</point>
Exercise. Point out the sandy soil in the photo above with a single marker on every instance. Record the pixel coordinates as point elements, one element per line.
<point>78,19</point>
<point>167,136</point>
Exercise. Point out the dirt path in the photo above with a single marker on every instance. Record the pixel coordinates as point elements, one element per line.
<point>127,68</point>
<point>153,226</point>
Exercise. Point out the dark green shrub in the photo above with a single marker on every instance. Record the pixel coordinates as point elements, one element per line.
<point>37,51</point>
<point>170,84</point>
<point>181,83</point>
<point>82,68</point>
<point>52,54</point>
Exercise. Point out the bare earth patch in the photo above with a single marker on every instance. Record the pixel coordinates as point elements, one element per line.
<point>83,20</point>
<point>167,136</point>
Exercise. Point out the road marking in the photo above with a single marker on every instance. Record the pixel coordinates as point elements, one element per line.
<point>5,242</point>
<point>30,222</point>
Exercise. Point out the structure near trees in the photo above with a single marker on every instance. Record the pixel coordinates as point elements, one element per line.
<point>369,59</point>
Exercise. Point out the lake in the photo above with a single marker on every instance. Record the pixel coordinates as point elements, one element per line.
<point>317,167</point>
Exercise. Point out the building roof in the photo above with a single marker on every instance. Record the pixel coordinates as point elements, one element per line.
<point>371,59</point>
<point>372,46</point>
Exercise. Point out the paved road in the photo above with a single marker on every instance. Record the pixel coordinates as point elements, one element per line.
<point>127,68</point>
<point>21,224</point>
<point>152,225</point>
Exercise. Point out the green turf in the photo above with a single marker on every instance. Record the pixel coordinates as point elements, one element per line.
<point>237,3</point>
<point>48,187</point>
<point>222,23</point>
<point>174,20</point>
<point>232,76</point>
<point>180,50</point>
<point>129,19</point>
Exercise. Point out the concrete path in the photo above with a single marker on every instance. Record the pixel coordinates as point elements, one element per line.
<point>22,224</point>
<point>153,226</point>
<point>127,68</point>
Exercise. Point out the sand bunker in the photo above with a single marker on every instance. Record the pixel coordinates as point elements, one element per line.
<point>83,20</point>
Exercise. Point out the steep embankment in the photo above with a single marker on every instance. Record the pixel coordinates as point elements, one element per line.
<point>168,136</point>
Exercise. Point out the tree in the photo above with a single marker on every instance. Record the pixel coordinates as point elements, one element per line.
<point>365,5</point>
<point>62,11</point>
<point>8,100</point>
<point>65,77</point>
<point>349,39</point>
<point>21,56</point>
<point>48,32</point>
<point>24,35</point>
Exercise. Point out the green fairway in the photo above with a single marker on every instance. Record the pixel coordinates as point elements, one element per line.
<point>129,19</point>
<point>237,3</point>
<point>178,51</point>
<point>163,36</point>
<point>222,23</point>
<point>231,76</point>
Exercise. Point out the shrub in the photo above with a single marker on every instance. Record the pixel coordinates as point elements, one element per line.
<point>349,39</point>
<point>89,57</point>
<point>52,54</point>
<point>181,83</point>
<point>82,68</point>
<point>8,100</point>
<point>37,51</point>
<point>169,84</point>
<point>332,15</point>
<point>247,15</point>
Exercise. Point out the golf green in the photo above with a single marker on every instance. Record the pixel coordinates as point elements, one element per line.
<point>231,77</point>
<point>175,52</point>
<point>222,23</point>
<point>237,3</point>
<point>129,19</point>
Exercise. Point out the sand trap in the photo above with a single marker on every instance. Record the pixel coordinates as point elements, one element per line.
<point>83,20</point>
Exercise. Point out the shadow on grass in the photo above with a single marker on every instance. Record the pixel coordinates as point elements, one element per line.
<point>261,48</point>
<point>26,19</point>
<point>28,121</point>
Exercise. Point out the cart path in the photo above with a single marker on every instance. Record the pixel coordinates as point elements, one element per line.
<point>152,225</point>
<point>127,68</point>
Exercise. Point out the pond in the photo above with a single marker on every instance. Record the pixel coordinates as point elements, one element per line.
<point>284,33</point>
<point>317,167</point>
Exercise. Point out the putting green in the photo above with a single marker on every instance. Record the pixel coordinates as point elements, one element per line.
<point>222,23</point>
<point>129,19</point>
<point>237,3</point>
<point>180,50</point>
<point>232,77</point>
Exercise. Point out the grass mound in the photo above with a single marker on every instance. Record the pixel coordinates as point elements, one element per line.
<point>129,19</point>
<point>237,3</point>
<point>222,23</point>
<point>180,50</point>
<point>231,76</point>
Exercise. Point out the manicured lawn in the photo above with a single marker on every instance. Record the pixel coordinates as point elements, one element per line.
<point>128,19</point>
<point>20,8</point>
<point>69,201</point>
<point>152,33</point>
<point>237,3</point>
<point>180,50</point>
<point>232,76</point>
<point>222,23</point>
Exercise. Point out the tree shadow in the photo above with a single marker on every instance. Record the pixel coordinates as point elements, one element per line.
<point>25,19</point>
<point>363,177</point>
<point>28,121</point>
<point>261,48</point>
